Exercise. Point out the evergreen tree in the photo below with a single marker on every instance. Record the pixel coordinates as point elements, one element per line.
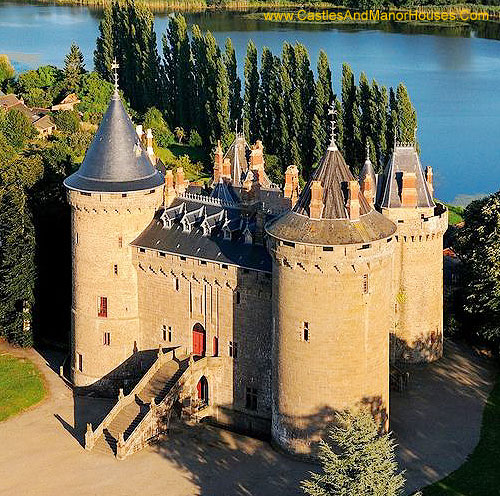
<point>251,116</point>
<point>407,116</point>
<point>379,95</point>
<point>392,121</point>
<point>105,51</point>
<point>17,128</point>
<point>135,50</point>
<point>178,70</point>
<point>356,460</point>
<point>368,110</point>
<point>74,67</point>
<point>339,127</point>
<point>6,69</point>
<point>351,120</point>
<point>478,244</point>
<point>235,100</point>
<point>267,99</point>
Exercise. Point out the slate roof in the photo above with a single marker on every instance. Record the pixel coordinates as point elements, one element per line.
<point>334,227</point>
<point>225,192</point>
<point>116,160</point>
<point>333,173</point>
<point>403,159</point>
<point>366,171</point>
<point>196,229</point>
<point>237,154</point>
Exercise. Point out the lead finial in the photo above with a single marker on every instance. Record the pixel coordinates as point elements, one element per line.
<point>114,67</point>
<point>333,112</point>
<point>367,151</point>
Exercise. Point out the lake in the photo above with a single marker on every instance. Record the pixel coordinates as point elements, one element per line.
<point>454,81</point>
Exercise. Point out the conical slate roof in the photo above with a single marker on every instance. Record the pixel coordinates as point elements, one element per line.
<point>367,171</point>
<point>404,159</point>
<point>334,227</point>
<point>116,162</point>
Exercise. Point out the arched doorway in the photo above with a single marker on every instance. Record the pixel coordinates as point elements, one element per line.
<point>202,388</point>
<point>199,340</point>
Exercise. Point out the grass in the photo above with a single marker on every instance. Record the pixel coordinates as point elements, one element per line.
<point>455,214</point>
<point>21,385</point>
<point>480,474</point>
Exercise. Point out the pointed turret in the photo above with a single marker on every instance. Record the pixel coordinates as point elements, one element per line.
<point>116,161</point>
<point>368,179</point>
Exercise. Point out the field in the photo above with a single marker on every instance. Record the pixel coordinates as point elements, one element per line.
<point>21,385</point>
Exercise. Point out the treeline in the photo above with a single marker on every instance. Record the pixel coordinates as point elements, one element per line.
<point>195,84</point>
<point>35,250</point>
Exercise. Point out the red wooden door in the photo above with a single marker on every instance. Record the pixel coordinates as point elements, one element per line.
<point>198,342</point>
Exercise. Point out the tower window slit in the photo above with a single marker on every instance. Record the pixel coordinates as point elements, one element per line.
<point>365,284</point>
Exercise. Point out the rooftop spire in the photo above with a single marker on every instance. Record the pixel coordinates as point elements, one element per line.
<point>333,112</point>
<point>114,67</point>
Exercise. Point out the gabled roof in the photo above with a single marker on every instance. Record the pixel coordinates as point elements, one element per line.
<point>44,122</point>
<point>237,155</point>
<point>225,192</point>
<point>403,159</point>
<point>116,160</point>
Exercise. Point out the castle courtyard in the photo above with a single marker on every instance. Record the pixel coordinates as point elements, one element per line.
<point>436,424</point>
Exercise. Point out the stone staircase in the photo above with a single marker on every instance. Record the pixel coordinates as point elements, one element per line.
<point>126,416</point>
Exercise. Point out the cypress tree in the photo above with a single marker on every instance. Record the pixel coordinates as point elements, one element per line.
<point>17,266</point>
<point>199,83</point>
<point>356,460</point>
<point>407,116</point>
<point>267,98</point>
<point>351,120</point>
<point>379,94</point>
<point>178,73</point>
<point>392,121</point>
<point>251,118</point>
<point>339,127</point>
<point>367,108</point>
<point>74,67</point>
<point>104,52</point>
<point>235,100</point>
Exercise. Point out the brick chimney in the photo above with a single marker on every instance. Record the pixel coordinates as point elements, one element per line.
<point>180,183</point>
<point>353,200</point>
<point>316,205</point>
<point>149,149</point>
<point>291,191</point>
<point>218,161</point>
<point>257,160</point>
<point>367,189</point>
<point>169,187</point>
<point>226,169</point>
<point>251,187</point>
<point>409,189</point>
<point>429,179</point>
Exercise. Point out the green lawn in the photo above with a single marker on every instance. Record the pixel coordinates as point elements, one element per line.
<point>480,474</point>
<point>21,385</point>
<point>455,214</point>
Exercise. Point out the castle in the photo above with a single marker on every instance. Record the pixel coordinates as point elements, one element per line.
<point>293,302</point>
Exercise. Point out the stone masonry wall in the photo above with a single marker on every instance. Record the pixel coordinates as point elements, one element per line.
<point>343,296</point>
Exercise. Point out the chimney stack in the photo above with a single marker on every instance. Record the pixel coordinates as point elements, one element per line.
<point>218,161</point>
<point>316,204</point>
<point>367,189</point>
<point>257,160</point>
<point>149,149</point>
<point>169,187</point>
<point>180,182</point>
<point>353,200</point>
<point>429,179</point>
<point>291,191</point>
<point>409,190</point>
<point>226,169</point>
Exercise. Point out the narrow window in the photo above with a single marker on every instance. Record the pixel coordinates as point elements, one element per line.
<point>169,334</point>
<point>203,262</point>
<point>233,349</point>
<point>305,332</point>
<point>80,362</point>
<point>161,254</point>
<point>216,346</point>
<point>238,297</point>
<point>183,259</point>
<point>142,250</point>
<point>76,238</point>
<point>251,398</point>
<point>115,269</point>
<point>103,307</point>
<point>124,195</point>
<point>107,339</point>
<point>224,266</point>
<point>365,283</point>
<point>327,248</point>
<point>120,242</point>
<point>164,330</point>
<point>176,284</point>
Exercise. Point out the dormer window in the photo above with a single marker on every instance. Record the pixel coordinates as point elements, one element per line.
<point>227,234</point>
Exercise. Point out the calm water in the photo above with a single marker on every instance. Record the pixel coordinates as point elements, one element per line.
<point>453,81</point>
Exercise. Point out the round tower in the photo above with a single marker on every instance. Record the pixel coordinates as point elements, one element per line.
<point>113,197</point>
<point>406,197</point>
<point>332,307</point>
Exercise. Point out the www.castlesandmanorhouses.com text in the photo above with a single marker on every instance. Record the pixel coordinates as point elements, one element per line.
<point>377,15</point>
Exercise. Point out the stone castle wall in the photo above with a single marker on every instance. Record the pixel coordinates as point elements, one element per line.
<point>418,283</point>
<point>233,305</point>
<point>103,225</point>
<point>344,298</point>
